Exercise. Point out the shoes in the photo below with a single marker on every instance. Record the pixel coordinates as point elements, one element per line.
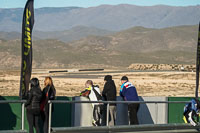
<point>94,123</point>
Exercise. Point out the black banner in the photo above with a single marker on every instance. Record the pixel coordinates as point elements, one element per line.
<point>197,64</point>
<point>26,66</point>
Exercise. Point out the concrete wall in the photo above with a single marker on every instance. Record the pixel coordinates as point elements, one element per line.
<point>82,113</point>
<point>148,113</point>
<point>152,113</point>
<point>122,113</point>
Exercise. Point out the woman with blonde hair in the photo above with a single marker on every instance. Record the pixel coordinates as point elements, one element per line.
<point>48,93</point>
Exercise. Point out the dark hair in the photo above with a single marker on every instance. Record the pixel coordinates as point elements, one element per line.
<point>34,82</point>
<point>124,78</point>
<point>108,77</point>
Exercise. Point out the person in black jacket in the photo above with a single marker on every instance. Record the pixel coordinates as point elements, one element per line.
<point>33,105</point>
<point>109,94</point>
<point>48,93</point>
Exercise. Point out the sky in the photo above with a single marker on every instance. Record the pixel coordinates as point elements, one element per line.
<point>89,3</point>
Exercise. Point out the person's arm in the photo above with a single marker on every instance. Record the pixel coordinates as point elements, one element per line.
<point>30,96</point>
<point>85,93</point>
<point>193,107</point>
<point>54,93</point>
<point>123,91</point>
<point>43,93</point>
<point>52,96</point>
<point>105,89</point>
<point>120,92</point>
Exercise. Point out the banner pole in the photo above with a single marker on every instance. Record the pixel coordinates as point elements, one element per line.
<point>26,55</point>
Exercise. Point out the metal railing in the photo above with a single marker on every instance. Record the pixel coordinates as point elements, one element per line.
<point>108,104</point>
<point>84,102</point>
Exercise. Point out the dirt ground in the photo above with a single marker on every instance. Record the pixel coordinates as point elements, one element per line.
<point>71,84</point>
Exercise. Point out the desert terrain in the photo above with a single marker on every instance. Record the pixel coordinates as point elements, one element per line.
<point>106,41</point>
<point>148,83</point>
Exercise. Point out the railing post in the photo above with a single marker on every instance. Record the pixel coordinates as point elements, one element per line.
<point>156,110</point>
<point>50,109</point>
<point>23,106</point>
<point>107,114</point>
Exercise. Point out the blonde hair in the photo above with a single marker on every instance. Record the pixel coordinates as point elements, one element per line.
<point>48,81</point>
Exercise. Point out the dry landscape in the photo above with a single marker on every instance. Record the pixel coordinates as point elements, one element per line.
<point>166,43</point>
<point>172,83</point>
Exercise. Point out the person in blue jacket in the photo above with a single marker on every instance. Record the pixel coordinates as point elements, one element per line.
<point>129,93</point>
<point>191,110</point>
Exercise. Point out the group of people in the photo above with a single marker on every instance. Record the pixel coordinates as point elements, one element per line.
<point>37,107</point>
<point>128,92</point>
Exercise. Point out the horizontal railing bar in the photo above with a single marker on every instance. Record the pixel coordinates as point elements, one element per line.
<point>117,102</point>
<point>105,102</point>
<point>12,101</point>
<point>127,128</point>
<point>13,131</point>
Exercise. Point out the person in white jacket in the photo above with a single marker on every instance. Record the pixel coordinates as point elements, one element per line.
<point>94,95</point>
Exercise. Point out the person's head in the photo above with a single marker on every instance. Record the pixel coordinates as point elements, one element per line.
<point>34,82</point>
<point>88,83</point>
<point>124,79</point>
<point>48,81</point>
<point>107,78</point>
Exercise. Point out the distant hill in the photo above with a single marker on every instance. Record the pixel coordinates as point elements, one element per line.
<point>108,17</point>
<point>9,35</point>
<point>174,45</point>
<point>72,34</point>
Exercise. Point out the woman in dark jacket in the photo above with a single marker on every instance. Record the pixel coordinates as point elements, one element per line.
<point>48,93</point>
<point>33,105</point>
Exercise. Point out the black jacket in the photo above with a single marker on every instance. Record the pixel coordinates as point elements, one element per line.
<point>109,92</point>
<point>51,94</point>
<point>34,98</point>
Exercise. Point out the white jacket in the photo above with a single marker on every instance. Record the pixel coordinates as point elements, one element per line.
<point>93,97</point>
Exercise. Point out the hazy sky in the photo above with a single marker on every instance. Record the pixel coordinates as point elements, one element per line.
<point>89,3</point>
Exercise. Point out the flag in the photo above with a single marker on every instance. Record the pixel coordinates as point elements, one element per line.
<point>26,62</point>
<point>197,64</point>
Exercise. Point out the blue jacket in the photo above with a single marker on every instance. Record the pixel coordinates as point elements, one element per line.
<point>192,106</point>
<point>129,92</point>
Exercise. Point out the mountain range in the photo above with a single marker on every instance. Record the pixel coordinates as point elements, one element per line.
<point>173,45</point>
<point>72,34</point>
<point>107,17</point>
